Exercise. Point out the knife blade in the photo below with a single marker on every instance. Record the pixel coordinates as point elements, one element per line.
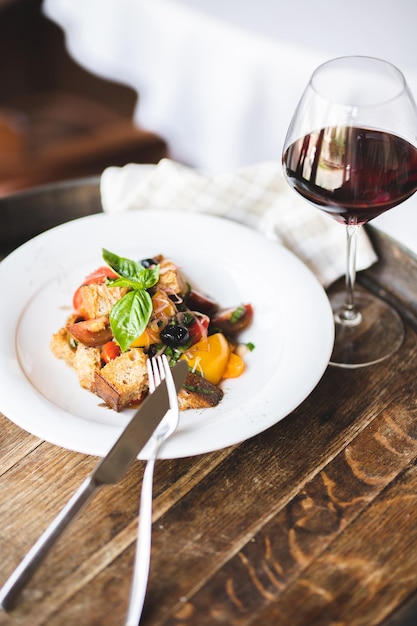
<point>108,471</point>
<point>138,431</point>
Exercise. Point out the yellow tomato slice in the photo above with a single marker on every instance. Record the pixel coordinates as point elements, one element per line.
<point>149,336</point>
<point>209,357</point>
<point>235,366</point>
<point>162,305</point>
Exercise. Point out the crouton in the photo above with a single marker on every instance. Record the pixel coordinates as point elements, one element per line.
<point>170,278</point>
<point>61,347</point>
<point>87,361</point>
<point>170,282</point>
<point>124,380</point>
<point>98,298</point>
<point>198,393</point>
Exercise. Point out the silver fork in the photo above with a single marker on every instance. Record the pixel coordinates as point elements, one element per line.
<point>158,369</point>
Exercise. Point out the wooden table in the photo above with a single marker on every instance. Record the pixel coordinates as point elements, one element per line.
<point>311,523</point>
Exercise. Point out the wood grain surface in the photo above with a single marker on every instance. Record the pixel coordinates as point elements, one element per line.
<point>310,523</point>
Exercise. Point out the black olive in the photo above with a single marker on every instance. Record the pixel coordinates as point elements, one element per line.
<point>148,263</point>
<point>174,335</point>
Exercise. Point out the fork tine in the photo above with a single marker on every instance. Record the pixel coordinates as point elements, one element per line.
<point>151,381</point>
<point>154,375</point>
<point>161,369</point>
<point>172,392</point>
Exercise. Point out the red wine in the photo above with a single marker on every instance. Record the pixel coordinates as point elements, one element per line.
<point>354,174</point>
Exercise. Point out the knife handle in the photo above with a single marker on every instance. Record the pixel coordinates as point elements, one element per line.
<point>30,563</point>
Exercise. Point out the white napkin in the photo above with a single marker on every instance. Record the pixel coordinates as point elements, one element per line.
<point>257,196</point>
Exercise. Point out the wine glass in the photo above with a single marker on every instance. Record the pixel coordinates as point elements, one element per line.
<point>351,151</point>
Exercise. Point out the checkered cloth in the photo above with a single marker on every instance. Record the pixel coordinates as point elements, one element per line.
<point>257,196</point>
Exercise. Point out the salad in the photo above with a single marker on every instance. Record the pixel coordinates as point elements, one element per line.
<point>128,311</point>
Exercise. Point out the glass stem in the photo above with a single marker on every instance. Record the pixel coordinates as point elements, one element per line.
<point>349,315</point>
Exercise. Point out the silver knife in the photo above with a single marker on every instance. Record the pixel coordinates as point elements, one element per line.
<point>108,471</point>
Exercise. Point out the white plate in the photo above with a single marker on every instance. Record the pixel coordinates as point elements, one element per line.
<point>292,328</point>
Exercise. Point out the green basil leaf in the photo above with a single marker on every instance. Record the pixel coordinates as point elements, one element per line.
<point>125,267</point>
<point>149,276</point>
<point>139,276</point>
<point>131,283</point>
<point>129,317</point>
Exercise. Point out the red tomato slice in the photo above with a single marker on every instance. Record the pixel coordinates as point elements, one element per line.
<point>77,301</point>
<point>100,275</point>
<point>198,329</point>
<point>110,351</point>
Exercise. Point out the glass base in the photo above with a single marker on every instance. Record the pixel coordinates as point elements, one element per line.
<point>378,335</point>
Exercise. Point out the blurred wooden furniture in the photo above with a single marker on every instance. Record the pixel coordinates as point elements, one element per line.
<point>58,121</point>
<point>58,136</point>
<point>310,523</point>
